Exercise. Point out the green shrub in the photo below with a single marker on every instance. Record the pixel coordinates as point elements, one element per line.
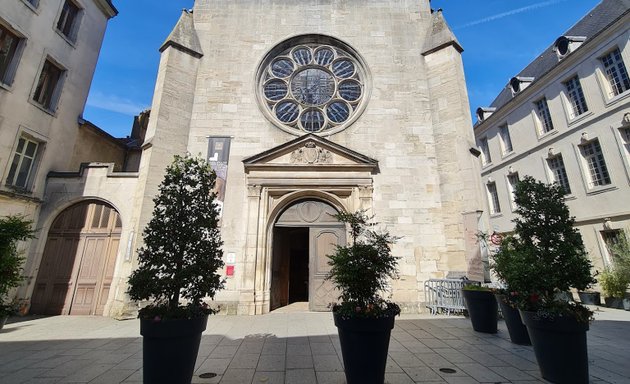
<point>362,269</point>
<point>477,287</point>
<point>614,282</point>
<point>12,230</point>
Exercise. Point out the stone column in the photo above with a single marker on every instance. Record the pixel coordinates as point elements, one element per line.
<point>252,275</point>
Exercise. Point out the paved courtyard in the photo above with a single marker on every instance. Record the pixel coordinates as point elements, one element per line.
<point>294,347</point>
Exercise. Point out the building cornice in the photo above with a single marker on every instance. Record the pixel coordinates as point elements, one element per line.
<point>20,196</point>
<point>107,8</point>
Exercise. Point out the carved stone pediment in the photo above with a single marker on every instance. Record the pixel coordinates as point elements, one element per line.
<point>310,152</point>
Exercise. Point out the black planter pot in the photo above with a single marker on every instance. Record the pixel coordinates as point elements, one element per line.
<point>364,346</point>
<point>560,348</point>
<point>590,298</point>
<point>169,349</point>
<point>563,296</point>
<point>483,310</point>
<point>3,321</point>
<point>516,328</point>
<point>614,302</point>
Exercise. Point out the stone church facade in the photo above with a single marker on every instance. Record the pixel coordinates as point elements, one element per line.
<point>304,109</point>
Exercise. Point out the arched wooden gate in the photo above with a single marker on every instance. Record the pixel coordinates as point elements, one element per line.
<point>77,266</point>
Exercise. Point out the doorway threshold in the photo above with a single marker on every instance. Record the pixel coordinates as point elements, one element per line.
<point>297,307</point>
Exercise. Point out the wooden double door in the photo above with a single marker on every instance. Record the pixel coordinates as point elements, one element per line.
<point>77,266</point>
<point>303,237</point>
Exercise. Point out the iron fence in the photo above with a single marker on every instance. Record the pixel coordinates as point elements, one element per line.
<point>445,295</point>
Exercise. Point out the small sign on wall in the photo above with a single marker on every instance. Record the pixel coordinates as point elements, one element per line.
<point>230,258</point>
<point>229,270</point>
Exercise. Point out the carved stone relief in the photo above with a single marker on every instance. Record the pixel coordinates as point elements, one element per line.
<point>311,154</point>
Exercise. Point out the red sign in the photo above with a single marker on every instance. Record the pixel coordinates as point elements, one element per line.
<point>496,238</point>
<point>229,270</point>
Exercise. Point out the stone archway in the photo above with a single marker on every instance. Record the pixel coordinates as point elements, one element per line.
<point>307,169</point>
<point>77,266</point>
<point>304,234</point>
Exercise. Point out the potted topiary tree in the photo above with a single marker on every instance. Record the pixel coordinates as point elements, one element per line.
<point>361,271</point>
<point>12,230</point>
<point>545,256</point>
<point>178,268</point>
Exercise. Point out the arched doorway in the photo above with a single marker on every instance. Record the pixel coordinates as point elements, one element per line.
<point>303,236</point>
<point>77,266</point>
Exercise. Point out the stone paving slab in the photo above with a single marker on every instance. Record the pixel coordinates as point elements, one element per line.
<point>293,348</point>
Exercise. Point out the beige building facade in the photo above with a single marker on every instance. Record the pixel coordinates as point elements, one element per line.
<point>566,119</point>
<point>308,109</point>
<point>48,53</point>
<point>50,49</point>
<point>304,110</point>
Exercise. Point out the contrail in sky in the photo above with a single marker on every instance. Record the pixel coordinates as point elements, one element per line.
<point>114,103</point>
<point>510,13</point>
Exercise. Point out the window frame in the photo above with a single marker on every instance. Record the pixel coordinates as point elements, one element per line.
<point>505,139</point>
<point>585,165</point>
<point>569,104</point>
<point>7,79</point>
<point>511,187</point>
<point>609,89</point>
<point>55,94</point>
<point>74,25</point>
<point>484,148</point>
<point>494,204</point>
<point>29,182</point>
<point>32,4</point>
<point>606,235</point>
<point>553,176</point>
<point>623,142</point>
<point>541,126</point>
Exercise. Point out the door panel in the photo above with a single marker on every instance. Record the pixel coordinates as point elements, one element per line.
<point>108,274</point>
<point>322,243</point>
<point>90,268</point>
<point>78,262</point>
<point>55,275</point>
<point>279,270</point>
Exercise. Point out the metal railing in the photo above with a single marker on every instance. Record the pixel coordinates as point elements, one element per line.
<point>445,295</point>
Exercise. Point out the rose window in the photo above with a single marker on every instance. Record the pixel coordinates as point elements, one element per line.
<point>312,87</point>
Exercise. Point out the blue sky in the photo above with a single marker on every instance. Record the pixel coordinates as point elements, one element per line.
<point>500,37</point>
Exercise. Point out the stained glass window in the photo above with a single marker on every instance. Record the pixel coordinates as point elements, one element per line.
<point>338,111</point>
<point>312,87</point>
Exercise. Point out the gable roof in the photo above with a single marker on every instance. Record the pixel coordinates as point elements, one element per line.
<point>311,152</point>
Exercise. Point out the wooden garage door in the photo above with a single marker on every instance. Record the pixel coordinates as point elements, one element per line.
<point>77,266</point>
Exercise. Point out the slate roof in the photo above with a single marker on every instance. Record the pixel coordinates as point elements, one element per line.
<point>594,22</point>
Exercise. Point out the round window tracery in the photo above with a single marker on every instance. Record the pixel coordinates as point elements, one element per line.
<point>317,87</point>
